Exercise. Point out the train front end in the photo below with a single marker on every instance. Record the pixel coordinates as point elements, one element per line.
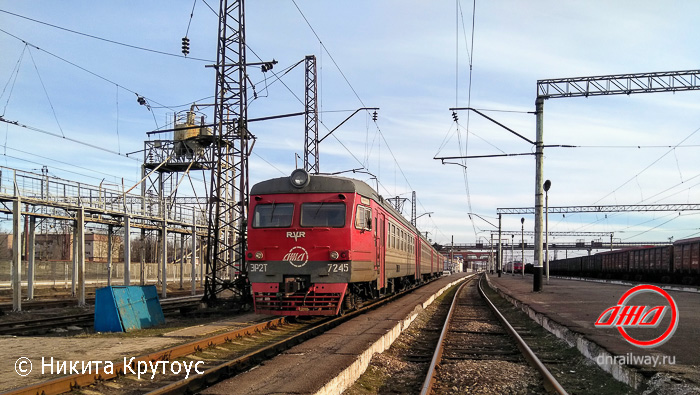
<point>299,244</point>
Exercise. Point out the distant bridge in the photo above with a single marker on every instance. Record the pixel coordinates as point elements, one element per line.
<point>579,245</point>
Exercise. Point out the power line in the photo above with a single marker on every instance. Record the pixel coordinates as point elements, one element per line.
<point>648,166</point>
<point>80,67</point>
<point>354,92</point>
<point>105,39</point>
<point>42,164</point>
<point>62,162</point>
<point>16,123</point>
<point>629,146</point>
<point>53,110</point>
<point>329,54</point>
<point>15,73</point>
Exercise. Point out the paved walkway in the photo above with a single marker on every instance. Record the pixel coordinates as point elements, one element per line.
<point>578,304</point>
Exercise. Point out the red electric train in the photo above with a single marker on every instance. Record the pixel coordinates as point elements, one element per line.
<point>319,245</point>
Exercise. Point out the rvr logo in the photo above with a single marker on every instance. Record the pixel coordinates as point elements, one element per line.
<point>296,235</point>
<point>631,316</point>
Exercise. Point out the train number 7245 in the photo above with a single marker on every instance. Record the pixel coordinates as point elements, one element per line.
<point>338,267</point>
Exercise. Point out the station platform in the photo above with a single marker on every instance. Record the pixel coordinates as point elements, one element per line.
<point>332,361</point>
<point>569,309</point>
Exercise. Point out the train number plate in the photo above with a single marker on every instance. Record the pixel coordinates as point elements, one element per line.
<point>338,267</point>
<point>258,267</point>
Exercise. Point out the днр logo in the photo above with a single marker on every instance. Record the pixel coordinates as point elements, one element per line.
<point>297,256</point>
<point>623,316</point>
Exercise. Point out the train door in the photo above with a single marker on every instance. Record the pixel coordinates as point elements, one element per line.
<point>417,252</point>
<point>380,241</point>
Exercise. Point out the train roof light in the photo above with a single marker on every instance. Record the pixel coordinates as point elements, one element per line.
<point>300,178</point>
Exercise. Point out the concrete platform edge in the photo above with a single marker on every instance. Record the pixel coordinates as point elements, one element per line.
<point>586,347</point>
<point>667,287</point>
<point>347,377</point>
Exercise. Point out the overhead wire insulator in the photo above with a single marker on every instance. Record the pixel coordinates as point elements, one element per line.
<point>185,46</point>
<point>267,66</point>
<point>374,116</point>
<point>454,116</point>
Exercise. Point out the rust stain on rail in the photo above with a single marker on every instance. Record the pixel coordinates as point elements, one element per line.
<point>68,383</point>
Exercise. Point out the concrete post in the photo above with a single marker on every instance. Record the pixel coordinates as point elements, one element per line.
<point>142,270</point>
<point>127,250</point>
<point>539,194</point>
<point>500,248</point>
<point>182,260</point>
<point>16,255</point>
<point>202,264</point>
<point>31,257</point>
<point>163,260</point>
<point>490,269</point>
<point>74,269</point>
<point>109,255</point>
<point>193,274</point>
<point>546,234</point>
<point>522,245</point>
<point>80,243</point>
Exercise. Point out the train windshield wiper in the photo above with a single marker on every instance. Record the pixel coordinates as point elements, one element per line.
<point>318,209</point>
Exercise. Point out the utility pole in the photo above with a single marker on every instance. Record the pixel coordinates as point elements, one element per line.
<point>500,249</point>
<point>522,245</point>
<point>539,193</point>
<point>452,254</point>
<point>414,219</point>
<point>490,270</point>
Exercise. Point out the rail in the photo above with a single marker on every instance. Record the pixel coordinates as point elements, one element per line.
<point>437,355</point>
<point>550,383</point>
<point>211,375</point>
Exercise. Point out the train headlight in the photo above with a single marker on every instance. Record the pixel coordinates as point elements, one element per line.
<point>343,255</point>
<point>259,255</point>
<point>300,178</point>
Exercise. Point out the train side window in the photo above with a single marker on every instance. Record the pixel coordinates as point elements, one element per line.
<point>327,215</point>
<point>363,218</point>
<point>273,215</point>
<point>392,244</point>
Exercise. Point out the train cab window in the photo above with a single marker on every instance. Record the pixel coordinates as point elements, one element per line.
<point>273,215</point>
<point>327,215</point>
<point>363,218</point>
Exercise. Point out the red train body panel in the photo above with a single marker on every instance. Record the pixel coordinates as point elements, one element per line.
<point>318,243</point>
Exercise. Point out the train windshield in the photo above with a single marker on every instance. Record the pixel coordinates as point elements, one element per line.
<point>273,215</point>
<point>327,215</point>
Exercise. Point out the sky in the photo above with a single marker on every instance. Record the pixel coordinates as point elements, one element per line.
<point>414,60</point>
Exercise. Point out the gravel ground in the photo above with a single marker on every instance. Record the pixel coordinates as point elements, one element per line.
<point>402,368</point>
<point>85,345</point>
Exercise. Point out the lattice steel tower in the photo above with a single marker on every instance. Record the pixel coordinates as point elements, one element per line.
<point>311,116</point>
<point>229,179</point>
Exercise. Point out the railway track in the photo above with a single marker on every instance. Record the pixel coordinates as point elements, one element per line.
<point>39,325</point>
<point>209,360</point>
<point>478,348</point>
